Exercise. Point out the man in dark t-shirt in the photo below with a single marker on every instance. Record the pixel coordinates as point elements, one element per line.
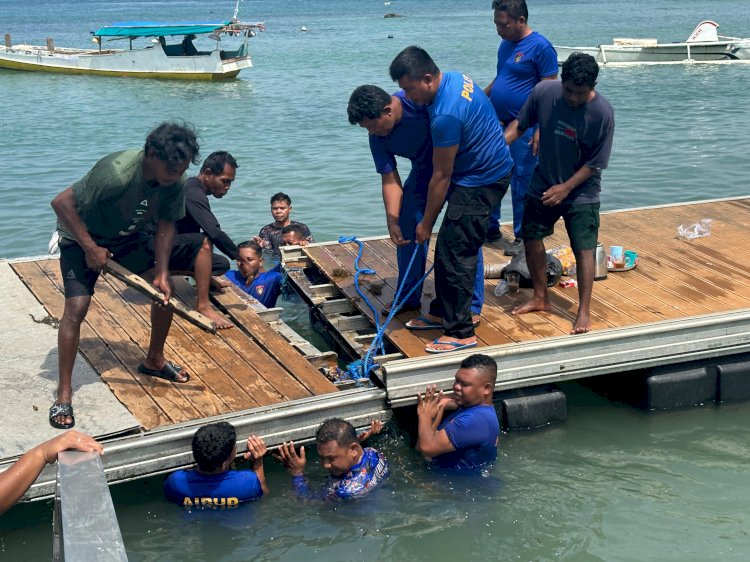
<point>576,127</point>
<point>269,236</point>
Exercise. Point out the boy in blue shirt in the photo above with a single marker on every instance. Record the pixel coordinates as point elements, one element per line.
<point>471,167</point>
<point>461,432</point>
<point>212,484</point>
<point>265,286</point>
<point>354,471</point>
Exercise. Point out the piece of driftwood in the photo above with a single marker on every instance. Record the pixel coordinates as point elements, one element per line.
<point>142,286</point>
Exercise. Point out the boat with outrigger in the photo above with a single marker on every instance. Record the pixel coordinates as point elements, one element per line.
<point>157,58</point>
<point>704,45</point>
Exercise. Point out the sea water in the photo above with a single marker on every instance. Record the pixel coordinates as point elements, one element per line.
<point>611,483</point>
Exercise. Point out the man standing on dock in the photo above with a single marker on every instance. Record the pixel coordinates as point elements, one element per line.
<point>576,126</point>
<point>524,59</point>
<point>105,215</point>
<point>471,168</point>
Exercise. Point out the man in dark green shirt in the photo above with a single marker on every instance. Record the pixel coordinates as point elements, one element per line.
<point>104,215</point>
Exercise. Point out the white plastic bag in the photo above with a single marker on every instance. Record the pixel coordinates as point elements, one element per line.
<point>695,230</point>
<point>501,288</point>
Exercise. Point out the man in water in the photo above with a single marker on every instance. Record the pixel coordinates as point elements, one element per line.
<point>265,286</point>
<point>399,127</point>
<point>354,471</point>
<point>215,178</point>
<point>576,126</point>
<point>524,58</point>
<point>269,236</point>
<point>105,215</point>
<point>471,167</point>
<point>461,432</point>
<point>212,484</point>
<point>293,235</point>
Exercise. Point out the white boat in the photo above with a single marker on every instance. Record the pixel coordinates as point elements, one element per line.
<point>703,45</point>
<point>156,58</point>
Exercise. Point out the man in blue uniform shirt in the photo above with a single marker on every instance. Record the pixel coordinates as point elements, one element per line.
<point>264,286</point>
<point>461,432</point>
<point>399,127</point>
<point>471,167</point>
<point>524,58</point>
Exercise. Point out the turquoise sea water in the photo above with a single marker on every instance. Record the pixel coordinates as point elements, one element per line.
<point>611,483</point>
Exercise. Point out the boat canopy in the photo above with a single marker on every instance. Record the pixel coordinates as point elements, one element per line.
<point>157,29</point>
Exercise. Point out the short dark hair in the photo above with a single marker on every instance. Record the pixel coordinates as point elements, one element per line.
<point>413,62</point>
<point>282,198</point>
<point>174,144</point>
<point>252,244</point>
<point>367,102</point>
<point>216,162</point>
<point>482,363</point>
<point>336,429</point>
<point>295,228</point>
<point>514,8</point>
<point>213,445</point>
<point>581,69</point>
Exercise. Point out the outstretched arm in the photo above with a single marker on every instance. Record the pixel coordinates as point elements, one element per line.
<point>256,450</point>
<point>16,480</point>
<point>437,190</point>
<point>393,195</point>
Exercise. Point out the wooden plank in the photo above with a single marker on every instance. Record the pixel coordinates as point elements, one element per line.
<point>144,287</point>
<point>273,343</point>
<point>116,374</point>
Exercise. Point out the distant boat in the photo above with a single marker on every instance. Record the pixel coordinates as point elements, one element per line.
<point>157,59</point>
<point>703,45</point>
<point>303,28</point>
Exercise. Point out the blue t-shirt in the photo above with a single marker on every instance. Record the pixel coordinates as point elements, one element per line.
<point>473,432</point>
<point>520,66</point>
<point>362,478</point>
<point>411,139</point>
<point>461,114</point>
<point>266,286</point>
<point>192,489</point>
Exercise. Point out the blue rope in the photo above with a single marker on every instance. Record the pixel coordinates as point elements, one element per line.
<point>361,368</point>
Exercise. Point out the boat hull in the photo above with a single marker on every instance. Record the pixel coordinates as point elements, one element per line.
<point>668,53</point>
<point>151,62</point>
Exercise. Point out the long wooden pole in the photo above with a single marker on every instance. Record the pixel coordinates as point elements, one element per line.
<point>142,286</point>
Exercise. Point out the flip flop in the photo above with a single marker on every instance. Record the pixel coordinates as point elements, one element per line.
<point>63,409</point>
<point>168,372</point>
<point>455,345</point>
<point>386,310</point>
<point>428,324</point>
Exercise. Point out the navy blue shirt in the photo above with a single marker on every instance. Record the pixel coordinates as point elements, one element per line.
<point>192,489</point>
<point>473,432</point>
<point>461,114</point>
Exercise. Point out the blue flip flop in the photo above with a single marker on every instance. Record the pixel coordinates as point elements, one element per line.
<point>428,324</point>
<point>456,346</point>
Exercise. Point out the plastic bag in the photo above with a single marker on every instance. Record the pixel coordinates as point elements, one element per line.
<point>566,257</point>
<point>695,230</point>
<point>501,288</point>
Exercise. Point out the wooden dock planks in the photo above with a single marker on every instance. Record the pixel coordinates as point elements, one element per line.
<point>674,279</point>
<point>230,371</point>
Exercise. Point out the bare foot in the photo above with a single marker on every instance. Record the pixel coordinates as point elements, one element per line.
<point>218,319</point>
<point>446,344</point>
<point>420,324</point>
<point>582,325</point>
<point>534,305</point>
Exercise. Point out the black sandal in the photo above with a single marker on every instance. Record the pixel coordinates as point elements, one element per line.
<point>64,409</point>
<point>169,372</point>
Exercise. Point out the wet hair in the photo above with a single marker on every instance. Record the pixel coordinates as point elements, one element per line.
<point>295,228</point>
<point>367,102</point>
<point>281,197</point>
<point>581,69</point>
<point>216,162</point>
<point>213,445</point>
<point>514,8</point>
<point>485,364</point>
<point>252,244</point>
<point>336,429</point>
<point>413,62</point>
<point>173,144</point>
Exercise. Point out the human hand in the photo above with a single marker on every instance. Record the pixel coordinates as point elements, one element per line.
<point>69,440</point>
<point>293,462</point>
<point>555,195</point>
<point>431,403</point>
<point>256,450</point>
<point>397,237</point>
<point>96,257</point>
<point>534,143</point>
<point>376,426</point>
<point>162,283</point>
<point>258,240</point>
<point>423,232</point>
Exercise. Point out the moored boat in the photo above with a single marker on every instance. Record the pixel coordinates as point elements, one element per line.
<point>703,45</point>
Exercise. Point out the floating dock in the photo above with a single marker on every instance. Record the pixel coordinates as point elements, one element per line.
<point>687,300</point>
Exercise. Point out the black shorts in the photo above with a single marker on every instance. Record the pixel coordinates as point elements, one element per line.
<point>135,253</point>
<point>581,222</point>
